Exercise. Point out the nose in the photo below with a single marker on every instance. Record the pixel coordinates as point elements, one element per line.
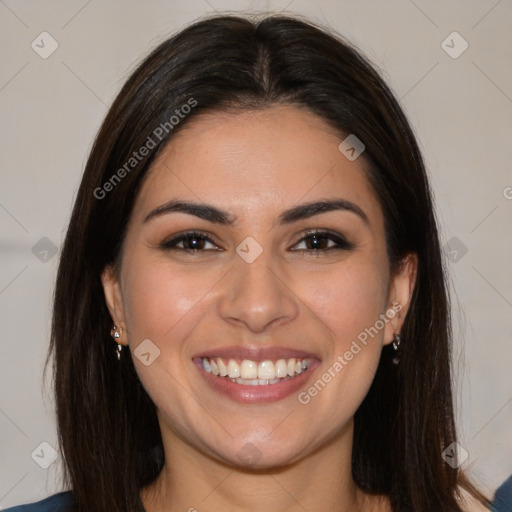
<point>257,295</point>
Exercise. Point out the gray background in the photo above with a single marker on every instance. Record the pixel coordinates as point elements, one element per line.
<point>460,108</point>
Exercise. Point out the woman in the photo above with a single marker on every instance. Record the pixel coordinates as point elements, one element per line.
<point>250,310</point>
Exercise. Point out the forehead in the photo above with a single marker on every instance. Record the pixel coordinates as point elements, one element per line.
<point>256,163</point>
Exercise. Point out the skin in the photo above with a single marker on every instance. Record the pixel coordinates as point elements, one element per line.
<point>255,165</point>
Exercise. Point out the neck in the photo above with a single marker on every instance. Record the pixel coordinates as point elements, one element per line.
<point>192,481</point>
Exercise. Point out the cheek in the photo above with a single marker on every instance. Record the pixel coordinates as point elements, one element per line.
<point>160,301</point>
<point>349,303</point>
<point>348,300</point>
<point>163,305</point>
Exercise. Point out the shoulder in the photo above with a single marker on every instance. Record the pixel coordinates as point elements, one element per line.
<point>503,496</point>
<point>56,503</point>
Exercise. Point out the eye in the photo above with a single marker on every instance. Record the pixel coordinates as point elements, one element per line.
<point>191,241</point>
<point>314,241</point>
<point>322,241</point>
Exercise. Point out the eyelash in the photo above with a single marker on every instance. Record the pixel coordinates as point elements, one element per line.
<point>341,241</point>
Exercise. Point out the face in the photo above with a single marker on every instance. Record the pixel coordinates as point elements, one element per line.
<point>256,274</point>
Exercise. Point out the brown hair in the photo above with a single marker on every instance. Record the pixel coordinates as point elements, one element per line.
<point>107,425</point>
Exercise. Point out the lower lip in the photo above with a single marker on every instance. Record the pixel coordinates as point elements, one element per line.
<point>256,394</point>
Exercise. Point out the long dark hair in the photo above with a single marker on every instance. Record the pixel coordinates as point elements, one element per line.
<point>107,424</point>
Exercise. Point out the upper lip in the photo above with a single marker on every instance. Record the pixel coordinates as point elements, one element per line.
<point>255,353</point>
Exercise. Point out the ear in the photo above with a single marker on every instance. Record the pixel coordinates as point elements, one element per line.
<point>400,292</point>
<point>114,300</point>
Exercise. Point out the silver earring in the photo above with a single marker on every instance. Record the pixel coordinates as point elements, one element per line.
<point>396,345</point>
<point>116,335</point>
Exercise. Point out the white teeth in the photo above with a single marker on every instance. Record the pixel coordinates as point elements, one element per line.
<point>223,371</point>
<point>291,366</point>
<point>248,369</point>
<point>233,369</point>
<point>281,368</point>
<point>256,382</point>
<point>253,373</point>
<point>266,370</point>
<point>250,382</point>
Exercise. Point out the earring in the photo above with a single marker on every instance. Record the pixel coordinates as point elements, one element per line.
<point>116,335</point>
<point>396,345</point>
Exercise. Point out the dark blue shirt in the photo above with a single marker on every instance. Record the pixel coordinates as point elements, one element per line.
<point>503,497</point>
<point>56,503</point>
<point>59,502</point>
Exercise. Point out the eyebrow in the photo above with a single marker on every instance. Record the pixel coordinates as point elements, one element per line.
<point>222,217</point>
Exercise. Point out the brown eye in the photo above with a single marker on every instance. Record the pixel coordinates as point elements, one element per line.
<point>191,242</point>
<point>321,241</point>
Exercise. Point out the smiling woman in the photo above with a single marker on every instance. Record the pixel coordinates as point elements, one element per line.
<point>272,266</point>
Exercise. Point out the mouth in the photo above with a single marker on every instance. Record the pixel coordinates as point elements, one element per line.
<point>257,379</point>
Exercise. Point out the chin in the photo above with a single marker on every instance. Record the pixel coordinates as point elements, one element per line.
<point>261,457</point>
